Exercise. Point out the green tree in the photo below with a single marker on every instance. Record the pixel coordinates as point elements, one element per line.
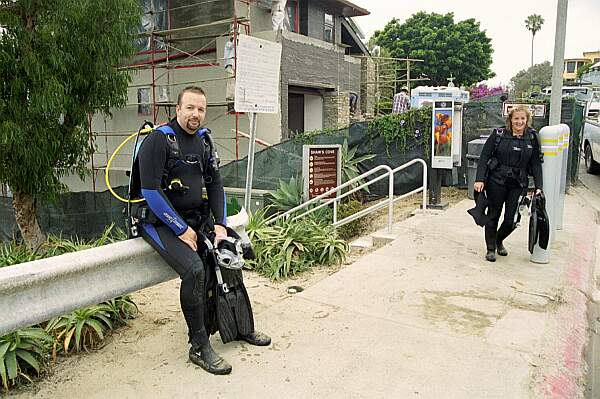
<point>585,68</point>
<point>541,74</point>
<point>446,48</point>
<point>533,23</point>
<point>57,67</point>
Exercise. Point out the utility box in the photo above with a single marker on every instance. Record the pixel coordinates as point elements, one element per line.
<point>474,148</point>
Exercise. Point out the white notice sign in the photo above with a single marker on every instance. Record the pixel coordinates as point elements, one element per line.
<point>257,75</point>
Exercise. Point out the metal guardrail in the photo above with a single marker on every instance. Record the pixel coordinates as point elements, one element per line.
<point>389,173</point>
<point>34,292</point>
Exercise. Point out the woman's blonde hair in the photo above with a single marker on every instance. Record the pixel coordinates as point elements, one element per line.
<point>517,108</point>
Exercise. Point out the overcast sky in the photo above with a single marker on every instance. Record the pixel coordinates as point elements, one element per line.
<point>504,23</point>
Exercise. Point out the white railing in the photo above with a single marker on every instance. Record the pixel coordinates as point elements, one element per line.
<point>389,173</point>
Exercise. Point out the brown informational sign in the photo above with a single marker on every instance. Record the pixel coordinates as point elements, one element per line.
<point>322,169</point>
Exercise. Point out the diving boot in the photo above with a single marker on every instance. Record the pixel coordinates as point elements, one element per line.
<point>501,250</point>
<point>490,256</point>
<point>203,355</point>
<point>256,338</point>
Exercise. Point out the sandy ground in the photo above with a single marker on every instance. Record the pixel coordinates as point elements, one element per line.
<point>160,320</point>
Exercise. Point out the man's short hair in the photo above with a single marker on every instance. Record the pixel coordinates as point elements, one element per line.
<point>190,89</point>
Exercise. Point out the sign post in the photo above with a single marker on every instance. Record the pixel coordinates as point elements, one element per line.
<point>256,89</point>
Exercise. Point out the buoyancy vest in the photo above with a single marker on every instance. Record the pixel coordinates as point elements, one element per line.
<point>174,157</point>
<point>499,171</point>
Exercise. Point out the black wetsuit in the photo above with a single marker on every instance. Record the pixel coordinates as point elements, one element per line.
<point>504,165</point>
<point>180,206</point>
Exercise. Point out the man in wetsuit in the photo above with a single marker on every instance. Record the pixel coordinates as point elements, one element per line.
<point>175,162</point>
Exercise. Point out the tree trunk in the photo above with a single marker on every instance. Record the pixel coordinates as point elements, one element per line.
<point>531,70</point>
<point>25,214</point>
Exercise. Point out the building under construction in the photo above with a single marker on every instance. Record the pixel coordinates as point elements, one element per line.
<point>193,42</point>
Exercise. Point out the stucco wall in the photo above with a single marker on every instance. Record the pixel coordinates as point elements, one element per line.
<point>312,63</point>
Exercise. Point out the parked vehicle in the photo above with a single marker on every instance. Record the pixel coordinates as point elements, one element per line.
<point>593,107</point>
<point>581,93</point>
<point>591,145</point>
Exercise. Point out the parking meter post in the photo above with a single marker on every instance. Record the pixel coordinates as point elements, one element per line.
<point>435,190</point>
<point>549,138</point>
<point>563,176</point>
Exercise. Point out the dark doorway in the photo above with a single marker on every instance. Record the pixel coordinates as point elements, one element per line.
<point>295,114</point>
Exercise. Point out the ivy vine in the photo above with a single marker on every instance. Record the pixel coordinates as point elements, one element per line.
<point>400,129</point>
<point>309,137</point>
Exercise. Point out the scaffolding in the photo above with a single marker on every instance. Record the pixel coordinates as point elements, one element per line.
<point>384,77</point>
<point>186,39</point>
<point>167,52</point>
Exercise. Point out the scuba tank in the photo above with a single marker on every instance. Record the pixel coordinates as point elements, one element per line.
<point>130,221</point>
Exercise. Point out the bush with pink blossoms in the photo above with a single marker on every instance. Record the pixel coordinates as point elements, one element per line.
<point>482,91</point>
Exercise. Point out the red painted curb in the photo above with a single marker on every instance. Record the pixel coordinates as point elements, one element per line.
<point>565,379</point>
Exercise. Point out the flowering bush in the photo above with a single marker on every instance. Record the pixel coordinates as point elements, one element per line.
<point>482,90</point>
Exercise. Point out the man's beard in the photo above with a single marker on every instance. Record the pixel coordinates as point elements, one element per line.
<point>190,126</point>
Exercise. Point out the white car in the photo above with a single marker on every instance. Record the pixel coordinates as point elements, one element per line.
<point>593,107</point>
<point>591,145</point>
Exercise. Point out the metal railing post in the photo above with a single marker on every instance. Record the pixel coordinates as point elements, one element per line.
<point>390,202</point>
<point>335,210</point>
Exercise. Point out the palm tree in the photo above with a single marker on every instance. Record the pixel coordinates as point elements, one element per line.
<point>533,23</point>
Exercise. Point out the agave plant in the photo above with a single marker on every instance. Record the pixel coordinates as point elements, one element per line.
<point>288,195</point>
<point>289,247</point>
<point>27,350</point>
<point>86,325</point>
<point>121,309</point>
<point>350,164</point>
<point>12,254</point>
<point>22,351</point>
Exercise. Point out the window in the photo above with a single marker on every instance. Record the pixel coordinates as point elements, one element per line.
<point>570,67</point>
<point>154,17</point>
<point>144,106</point>
<point>291,11</point>
<point>329,26</point>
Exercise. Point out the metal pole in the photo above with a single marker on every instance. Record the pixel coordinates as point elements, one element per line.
<point>408,76</point>
<point>559,61</point>
<point>250,169</point>
<point>390,202</point>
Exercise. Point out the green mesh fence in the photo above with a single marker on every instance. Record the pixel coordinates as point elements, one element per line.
<point>86,214</point>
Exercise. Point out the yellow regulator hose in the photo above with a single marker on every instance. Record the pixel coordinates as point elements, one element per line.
<point>106,178</point>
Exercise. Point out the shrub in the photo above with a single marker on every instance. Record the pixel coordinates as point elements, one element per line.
<point>22,352</point>
<point>355,227</point>
<point>288,246</point>
<point>288,195</point>
<point>28,350</point>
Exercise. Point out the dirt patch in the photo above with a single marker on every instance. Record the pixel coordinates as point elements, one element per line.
<point>140,345</point>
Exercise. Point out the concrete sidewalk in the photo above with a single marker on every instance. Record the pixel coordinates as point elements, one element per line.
<point>422,317</point>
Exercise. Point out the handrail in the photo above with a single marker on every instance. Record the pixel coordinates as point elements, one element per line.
<point>389,173</point>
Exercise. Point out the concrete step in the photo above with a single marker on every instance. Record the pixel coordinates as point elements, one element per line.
<point>363,242</point>
<point>382,237</point>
